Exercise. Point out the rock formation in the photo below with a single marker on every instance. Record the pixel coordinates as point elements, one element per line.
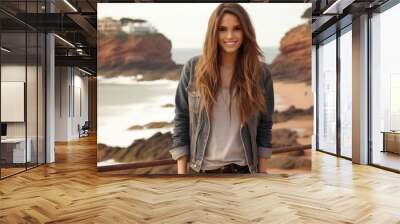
<point>291,113</point>
<point>130,55</point>
<point>153,148</point>
<point>294,61</point>
<point>152,125</point>
<point>157,147</point>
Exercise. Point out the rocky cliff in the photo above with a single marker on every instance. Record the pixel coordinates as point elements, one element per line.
<point>291,113</point>
<point>294,61</point>
<point>154,148</point>
<point>130,55</point>
<point>157,147</point>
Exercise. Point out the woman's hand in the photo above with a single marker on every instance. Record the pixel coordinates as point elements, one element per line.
<point>262,165</point>
<point>182,164</point>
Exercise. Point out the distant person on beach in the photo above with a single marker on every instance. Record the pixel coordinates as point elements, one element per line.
<point>224,101</point>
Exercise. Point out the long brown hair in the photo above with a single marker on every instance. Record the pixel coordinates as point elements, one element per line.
<point>246,78</point>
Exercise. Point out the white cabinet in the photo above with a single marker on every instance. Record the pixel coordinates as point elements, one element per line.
<point>18,149</point>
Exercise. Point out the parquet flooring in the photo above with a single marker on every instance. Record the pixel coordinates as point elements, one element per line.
<point>71,191</point>
<point>10,171</point>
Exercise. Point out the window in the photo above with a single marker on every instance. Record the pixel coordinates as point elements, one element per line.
<point>327,96</point>
<point>22,76</point>
<point>385,88</point>
<point>346,93</point>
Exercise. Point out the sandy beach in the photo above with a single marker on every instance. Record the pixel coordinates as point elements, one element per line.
<point>303,125</point>
<point>300,96</point>
<point>296,94</point>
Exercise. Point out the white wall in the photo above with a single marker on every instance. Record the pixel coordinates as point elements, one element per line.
<point>12,73</point>
<point>33,126</point>
<point>71,93</point>
<point>81,82</point>
<point>62,81</point>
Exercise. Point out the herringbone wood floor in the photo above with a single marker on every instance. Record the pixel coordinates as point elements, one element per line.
<point>71,191</point>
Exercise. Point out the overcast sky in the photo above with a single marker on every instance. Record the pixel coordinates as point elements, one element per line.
<point>185,24</point>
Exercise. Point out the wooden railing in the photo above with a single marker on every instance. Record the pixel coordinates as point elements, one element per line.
<point>163,162</point>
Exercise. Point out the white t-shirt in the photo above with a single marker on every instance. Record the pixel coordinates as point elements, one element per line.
<point>224,144</point>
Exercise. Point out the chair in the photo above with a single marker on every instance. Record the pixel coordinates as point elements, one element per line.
<point>84,130</point>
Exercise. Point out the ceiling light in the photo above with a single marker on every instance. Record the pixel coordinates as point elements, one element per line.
<point>64,40</point>
<point>338,6</point>
<point>70,5</point>
<point>5,50</point>
<point>86,72</point>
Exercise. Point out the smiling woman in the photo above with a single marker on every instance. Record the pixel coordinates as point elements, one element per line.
<point>230,34</point>
<point>204,102</point>
<point>225,100</point>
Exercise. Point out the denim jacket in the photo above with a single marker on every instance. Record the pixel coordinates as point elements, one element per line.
<point>192,124</point>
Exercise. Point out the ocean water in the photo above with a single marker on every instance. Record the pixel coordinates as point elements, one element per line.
<point>124,102</point>
<point>181,56</point>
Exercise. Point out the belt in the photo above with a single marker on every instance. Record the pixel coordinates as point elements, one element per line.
<point>230,168</point>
